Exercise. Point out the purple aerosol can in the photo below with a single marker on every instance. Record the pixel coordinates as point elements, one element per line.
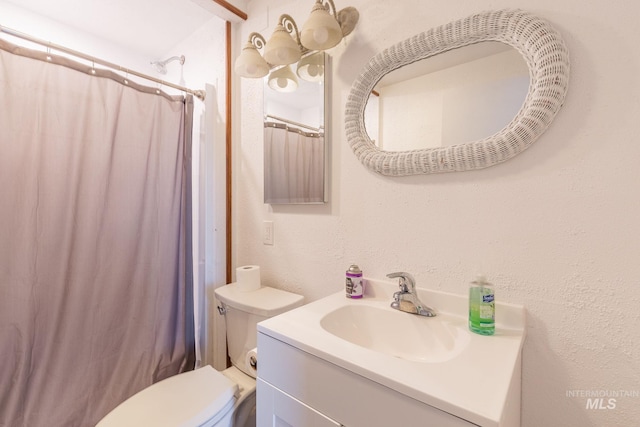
<point>354,284</point>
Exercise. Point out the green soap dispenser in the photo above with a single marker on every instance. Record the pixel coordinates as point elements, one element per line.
<point>482,307</point>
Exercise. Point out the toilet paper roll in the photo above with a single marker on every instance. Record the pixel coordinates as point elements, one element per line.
<point>251,361</point>
<point>248,278</point>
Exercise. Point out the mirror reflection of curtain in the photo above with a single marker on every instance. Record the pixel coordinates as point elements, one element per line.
<point>293,165</point>
<point>95,289</point>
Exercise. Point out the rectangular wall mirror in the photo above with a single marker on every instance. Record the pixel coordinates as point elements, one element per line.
<point>295,139</point>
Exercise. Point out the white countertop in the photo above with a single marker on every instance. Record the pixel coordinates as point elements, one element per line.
<point>473,385</point>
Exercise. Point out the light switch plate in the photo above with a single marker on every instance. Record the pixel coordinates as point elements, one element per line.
<point>267,233</point>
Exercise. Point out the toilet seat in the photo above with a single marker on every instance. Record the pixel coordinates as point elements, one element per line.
<point>196,398</point>
<point>244,413</point>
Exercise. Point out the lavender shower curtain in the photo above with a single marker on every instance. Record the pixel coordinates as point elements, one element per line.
<point>95,289</point>
<point>293,165</point>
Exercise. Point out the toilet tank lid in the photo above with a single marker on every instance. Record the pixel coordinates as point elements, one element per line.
<point>190,398</point>
<point>265,301</point>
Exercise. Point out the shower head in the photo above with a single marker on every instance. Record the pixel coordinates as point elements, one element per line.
<point>161,66</point>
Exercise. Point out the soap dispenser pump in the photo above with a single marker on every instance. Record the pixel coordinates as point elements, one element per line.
<point>482,307</point>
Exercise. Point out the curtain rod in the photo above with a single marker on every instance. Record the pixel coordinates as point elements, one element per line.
<point>291,122</point>
<point>200,94</point>
<point>292,128</point>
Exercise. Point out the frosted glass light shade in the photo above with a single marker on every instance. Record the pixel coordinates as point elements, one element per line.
<point>281,49</point>
<point>283,80</point>
<point>250,63</point>
<point>311,67</point>
<point>321,31</point>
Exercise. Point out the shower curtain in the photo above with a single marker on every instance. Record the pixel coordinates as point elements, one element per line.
<point>293,165</point>
<point>95,274</point>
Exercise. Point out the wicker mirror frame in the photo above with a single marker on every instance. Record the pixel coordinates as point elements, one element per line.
<point>544,52</point>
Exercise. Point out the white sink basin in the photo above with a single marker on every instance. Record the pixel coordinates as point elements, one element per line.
<point>435,361</point>
<point>399,334</point>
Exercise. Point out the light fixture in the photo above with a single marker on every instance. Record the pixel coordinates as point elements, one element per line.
<point>250,64</point>
<point>323,30</point>
<point>282,48</point>
<point>283,80</point>
<point>311,67</point>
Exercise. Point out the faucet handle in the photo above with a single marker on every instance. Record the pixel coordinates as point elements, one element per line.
<point>407,282</point>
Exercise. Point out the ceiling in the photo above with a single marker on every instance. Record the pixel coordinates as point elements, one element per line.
<point>148,26</point>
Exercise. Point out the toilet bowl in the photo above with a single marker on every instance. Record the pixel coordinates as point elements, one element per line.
<point>206,397</point>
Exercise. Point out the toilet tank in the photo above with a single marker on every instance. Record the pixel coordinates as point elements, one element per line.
<point>243,311</point>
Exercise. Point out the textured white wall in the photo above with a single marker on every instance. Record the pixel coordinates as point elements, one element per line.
<point>41,27</point>
<point>556,228</point>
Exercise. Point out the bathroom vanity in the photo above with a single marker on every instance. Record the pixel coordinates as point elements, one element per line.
<point>339,361</point>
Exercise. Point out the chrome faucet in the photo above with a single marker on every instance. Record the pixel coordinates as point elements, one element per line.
<point>406,299</point>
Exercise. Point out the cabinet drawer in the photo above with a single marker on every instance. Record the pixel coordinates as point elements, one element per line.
<point>278,409</point>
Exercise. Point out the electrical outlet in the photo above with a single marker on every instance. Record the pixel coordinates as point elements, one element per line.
<point>267,233</point>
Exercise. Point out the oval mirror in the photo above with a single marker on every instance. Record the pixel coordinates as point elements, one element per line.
<point>458,96</point>
<point>509,131</point>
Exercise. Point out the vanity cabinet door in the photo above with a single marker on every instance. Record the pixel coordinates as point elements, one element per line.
<point>333,393</point>
<point>276,408</point>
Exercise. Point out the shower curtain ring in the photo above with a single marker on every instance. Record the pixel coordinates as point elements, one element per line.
<point>126,77</point>
<point>93,67</point>
<point>49,58</point>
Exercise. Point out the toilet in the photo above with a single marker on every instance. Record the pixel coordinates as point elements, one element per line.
<point>206,397</point>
